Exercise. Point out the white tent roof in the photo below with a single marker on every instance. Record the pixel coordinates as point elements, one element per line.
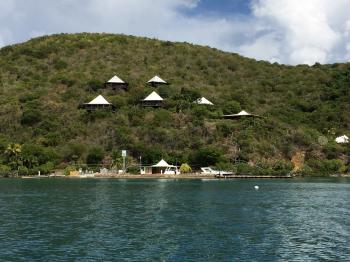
<point>240,114</point>
<point>162,163</point>
<point>100,100</point>
<point>243,113</point>
<point>203,101</point>
<point>116,80</point>
<point>342,139</point>
<point>153,97</point>
<point>157,79</point>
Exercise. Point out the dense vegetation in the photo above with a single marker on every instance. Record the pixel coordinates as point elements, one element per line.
<point>43,81</point>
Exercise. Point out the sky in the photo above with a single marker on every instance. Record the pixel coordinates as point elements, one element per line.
<point>283,31</point>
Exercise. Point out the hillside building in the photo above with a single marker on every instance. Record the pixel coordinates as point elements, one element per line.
<point>157,81</point>
<point>342,139</point>
<point>242,114</point>
<point>97,103</point>
<point>153,100</point>
<point>116,83</point>
<point>203,101</point>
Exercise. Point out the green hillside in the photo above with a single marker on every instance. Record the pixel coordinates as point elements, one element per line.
<point>43,81</point>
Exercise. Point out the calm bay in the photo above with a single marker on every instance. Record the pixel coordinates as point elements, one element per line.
<point>174,220</point>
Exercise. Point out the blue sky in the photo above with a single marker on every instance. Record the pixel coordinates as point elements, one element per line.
<point>284,31</point>
<point>225,8</point>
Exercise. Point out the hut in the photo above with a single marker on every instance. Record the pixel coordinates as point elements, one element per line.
<point>156,81</point>
<point>116,83</point>
<point>242,114</point>
<point>342,139</point>
<point>203,101</point>
<point>160,168</point>
<point>153,100</point>
<point>97,103</point>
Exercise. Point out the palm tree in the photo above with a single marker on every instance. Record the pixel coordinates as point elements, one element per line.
<point>13,153</point>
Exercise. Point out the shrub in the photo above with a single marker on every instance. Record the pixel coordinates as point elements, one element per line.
<point>185,168</point>
<point>23,171</point>
<point>95,156</point>
<point>31,117</point>
<point>208,156</point>
<point>5,170</point>
<point>231,107</point>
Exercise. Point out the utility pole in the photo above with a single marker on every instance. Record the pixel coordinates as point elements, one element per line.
<point>124,162</point>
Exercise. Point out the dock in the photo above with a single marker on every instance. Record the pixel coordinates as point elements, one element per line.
<point>248,176</point>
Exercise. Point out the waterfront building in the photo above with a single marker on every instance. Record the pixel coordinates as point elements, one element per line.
<point>162,167</point>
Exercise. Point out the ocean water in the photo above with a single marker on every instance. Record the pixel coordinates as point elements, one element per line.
<point>174,220</point>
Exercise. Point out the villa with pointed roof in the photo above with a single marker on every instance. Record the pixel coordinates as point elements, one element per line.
<point>156,81</point>
<point>203,101</point>
<point>242,114</point>
<point>162,167</point>
<point>116,83</point>
<point>98,102</point>
<point>153,100</point>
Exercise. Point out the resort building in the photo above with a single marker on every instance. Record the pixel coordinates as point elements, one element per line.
<point>203,101</point>
<point>97,103</point>
<point>156,81</point>
<point>161,168</point>
<point>242,114</point>
<point>116,83</point>
<point>153,100</point>
<point>342,139</point>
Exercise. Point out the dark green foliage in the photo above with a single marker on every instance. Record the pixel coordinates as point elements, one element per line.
<point>31,117</point>
<point>95,156</point>
<point>207,156</point>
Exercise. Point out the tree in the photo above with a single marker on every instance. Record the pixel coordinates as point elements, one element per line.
<point>185,168</point>
<point>95,156</point>
<point>13,153</point>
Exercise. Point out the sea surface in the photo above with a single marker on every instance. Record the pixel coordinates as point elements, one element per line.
<point>174,220</point>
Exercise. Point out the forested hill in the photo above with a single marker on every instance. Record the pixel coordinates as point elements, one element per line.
<point>43,81</point>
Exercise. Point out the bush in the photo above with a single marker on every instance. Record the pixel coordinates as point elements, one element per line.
<point>5,170</point>
<point>185,168</point>
<point>208,156</point>
<point>231,107</point>
<point>31,117</point>
<point>69,169</point>
<point>95,156</point>
<point>23,171</point>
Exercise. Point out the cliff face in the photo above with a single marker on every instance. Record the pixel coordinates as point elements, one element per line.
<point>43,81</point>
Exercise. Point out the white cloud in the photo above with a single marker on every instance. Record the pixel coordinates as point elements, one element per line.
<point>308,31</point>
<point>287,31</point>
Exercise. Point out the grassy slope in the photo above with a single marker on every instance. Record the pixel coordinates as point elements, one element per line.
<point>44,80</point>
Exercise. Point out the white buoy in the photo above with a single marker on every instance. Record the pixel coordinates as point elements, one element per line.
<point>256,187</point>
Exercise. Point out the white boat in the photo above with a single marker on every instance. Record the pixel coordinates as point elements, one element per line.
<point>210,171</point>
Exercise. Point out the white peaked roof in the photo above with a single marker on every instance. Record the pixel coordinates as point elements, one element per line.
<point>342,139</point>
<point>157,79</point>
<point>100,100</point>
<point>162,163</point>
<point>116,80</point>
<point>243,113</point>
<point>153,97</point>
<point>240,114</point>
<point>203,101</point>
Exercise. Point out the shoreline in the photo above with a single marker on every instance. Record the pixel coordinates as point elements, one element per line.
<point>146,177</point>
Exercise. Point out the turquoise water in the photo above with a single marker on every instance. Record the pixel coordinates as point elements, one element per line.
<point>167,220</point>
